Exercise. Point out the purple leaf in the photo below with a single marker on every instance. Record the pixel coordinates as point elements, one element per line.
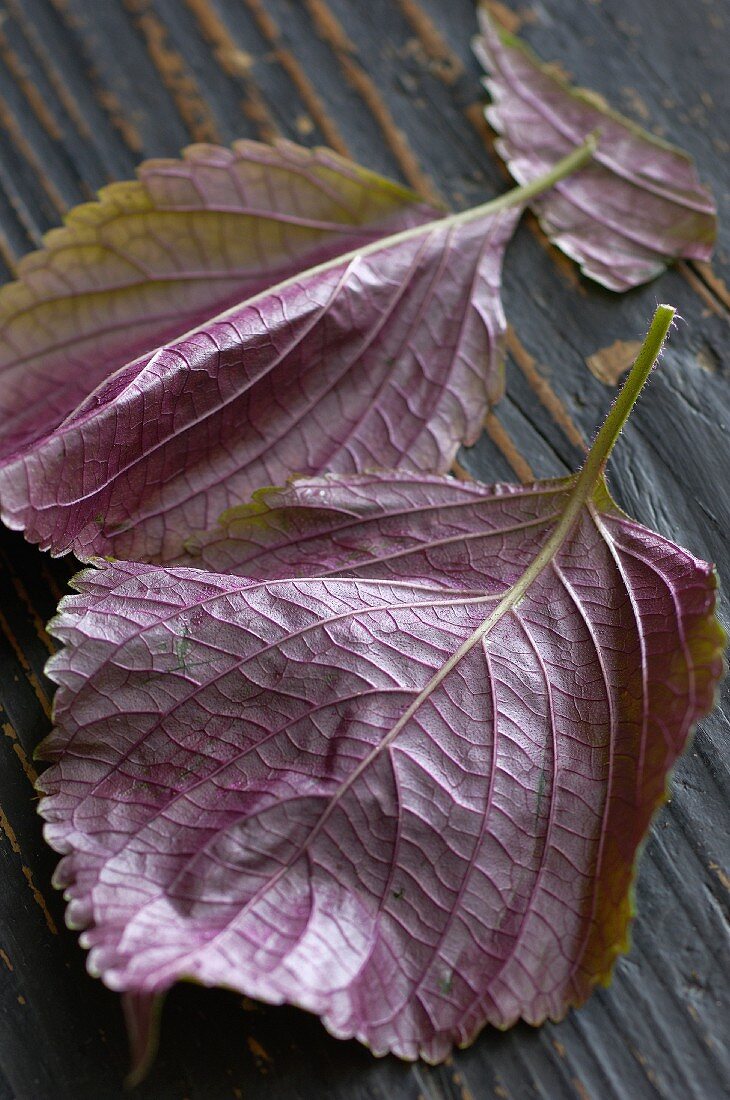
<point>394,525</point>
<point>389,355</point>
<point>637,206</point>
<point>406,793</point>
<point>159,255</point>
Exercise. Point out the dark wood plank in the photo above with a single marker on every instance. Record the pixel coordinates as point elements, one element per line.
<point>86,89</point>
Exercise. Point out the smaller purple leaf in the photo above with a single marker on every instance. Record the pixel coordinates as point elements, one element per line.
<point>402,782</point>
<point>636,207</point>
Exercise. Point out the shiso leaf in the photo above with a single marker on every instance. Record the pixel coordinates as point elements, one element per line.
<point>637,206</point>
<point>400,774</point>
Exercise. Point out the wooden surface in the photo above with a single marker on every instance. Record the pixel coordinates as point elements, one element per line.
<point>87,88</point>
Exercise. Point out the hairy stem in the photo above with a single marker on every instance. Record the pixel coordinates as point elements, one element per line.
<point>586,481</point>
<point>604,442</point>
<point>602,446</point>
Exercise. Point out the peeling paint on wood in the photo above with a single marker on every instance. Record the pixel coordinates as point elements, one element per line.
<point>331,30</point>
<point>547,396</point>
<point>609,364</point>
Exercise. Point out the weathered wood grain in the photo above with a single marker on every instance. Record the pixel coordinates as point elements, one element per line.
<point>88,87</point>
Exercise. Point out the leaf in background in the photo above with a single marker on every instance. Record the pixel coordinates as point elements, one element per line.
<point>636,207</point>
<point>156,256</point>
<point>406,793</point>
<point>386,356</point>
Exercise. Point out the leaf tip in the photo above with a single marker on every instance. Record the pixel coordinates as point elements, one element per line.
<point>142,1012</point>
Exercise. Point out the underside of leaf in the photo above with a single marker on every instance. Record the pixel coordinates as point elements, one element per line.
<point>259,784</point>
<point>393,525</point>
<point>385,358</point>
<point>156,256</point>
<point>624,217</point>
<point>385,355</point>
<point>405,788</point>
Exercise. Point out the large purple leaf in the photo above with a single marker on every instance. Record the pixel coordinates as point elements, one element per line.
<point>158,255</point>
<point>387,355</point>
<point>406,793</point>
<point>394,525</point>
<point>637,206</point>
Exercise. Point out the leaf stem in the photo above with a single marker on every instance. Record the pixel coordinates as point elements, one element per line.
<point>598,455</point>
<point>526,191</point>
<point>648,354</point>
